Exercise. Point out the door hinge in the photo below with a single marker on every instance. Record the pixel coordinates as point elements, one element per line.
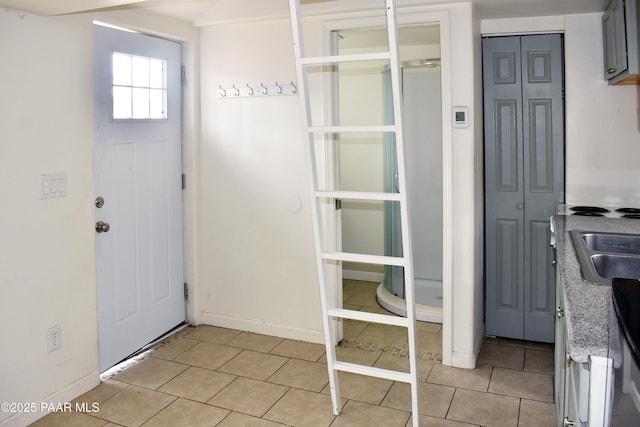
<point>183,75</point>
<point>184,182</point>
<point>186,291</point>
<point>338,204</point>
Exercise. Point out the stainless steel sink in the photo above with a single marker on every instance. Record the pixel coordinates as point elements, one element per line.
<point>610,266</point>
<point>604,256</point>
<point>612,242</point>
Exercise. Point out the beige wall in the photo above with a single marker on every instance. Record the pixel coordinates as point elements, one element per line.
<point>47,260</point>
<point>256,263</point>
<point>253,265</point>
<point>602,122</point>
<point>47,254</point>
<point>465,326</point>
<point>362,159</point>
<point>257,268</point>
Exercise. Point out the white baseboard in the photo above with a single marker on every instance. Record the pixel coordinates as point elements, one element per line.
<point>469,360</point>
<point>366,276</point>
<point>282,331</point>
<point>463,360</point>
<point>60,397</point>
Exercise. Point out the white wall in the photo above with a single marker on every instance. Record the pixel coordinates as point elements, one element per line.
<point>361,163</point>
<point>602,122</point>
<point>257,268</point>
<point>257,265</point>
<point>47,260</point>
<point>466,328</point>
<point>362,159</point>
<point>47,254</point>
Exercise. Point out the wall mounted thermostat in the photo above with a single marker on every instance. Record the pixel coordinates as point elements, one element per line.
<point>460,117</point>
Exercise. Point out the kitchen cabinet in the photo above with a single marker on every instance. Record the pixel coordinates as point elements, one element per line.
<point>570,377</point>
<point>560,349</point>
<point>621,45</point>
<point>581,389</point>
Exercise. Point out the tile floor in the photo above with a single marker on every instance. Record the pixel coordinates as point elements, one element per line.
<point>210,376</point>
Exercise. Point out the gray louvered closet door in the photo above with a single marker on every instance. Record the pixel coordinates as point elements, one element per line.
<point>524,181</point>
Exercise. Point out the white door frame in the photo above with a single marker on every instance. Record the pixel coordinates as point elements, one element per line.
<point>441,17</point>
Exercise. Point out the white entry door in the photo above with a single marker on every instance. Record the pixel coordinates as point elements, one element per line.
<point>138,182</point>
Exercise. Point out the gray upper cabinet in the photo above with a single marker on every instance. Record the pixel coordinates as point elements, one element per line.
<point>621,45</point>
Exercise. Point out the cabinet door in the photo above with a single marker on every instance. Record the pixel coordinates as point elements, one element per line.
<point>543,169</point>
<point>615,39</point>
<point>559,357</point>
<point>504,199</point>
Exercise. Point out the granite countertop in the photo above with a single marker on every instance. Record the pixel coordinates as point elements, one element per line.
<point>586,304</point>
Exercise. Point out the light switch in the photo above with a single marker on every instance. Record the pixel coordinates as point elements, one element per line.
<point>54,185</point>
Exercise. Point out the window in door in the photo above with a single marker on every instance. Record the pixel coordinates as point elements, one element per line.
<point>139,87</point>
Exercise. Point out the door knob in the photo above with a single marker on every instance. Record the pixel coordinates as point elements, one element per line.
<point>102,227</point>
<point>520,206</point>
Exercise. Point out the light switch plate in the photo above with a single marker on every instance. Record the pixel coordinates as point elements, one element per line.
<point>54,185</point>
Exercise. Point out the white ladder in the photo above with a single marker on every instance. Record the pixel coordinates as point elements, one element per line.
<point>323,256</point>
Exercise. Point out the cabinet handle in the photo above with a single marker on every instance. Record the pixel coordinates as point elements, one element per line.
<point>611,70</point>
<point>567,423</point>
<point>559,312</point>
<point>567,359</point>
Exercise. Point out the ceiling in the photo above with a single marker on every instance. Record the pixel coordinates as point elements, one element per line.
<point>193,10</point>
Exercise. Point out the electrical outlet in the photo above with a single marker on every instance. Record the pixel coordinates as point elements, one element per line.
<point>55,338</point>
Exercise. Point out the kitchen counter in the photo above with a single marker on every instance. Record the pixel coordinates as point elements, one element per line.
<point>586,304</point>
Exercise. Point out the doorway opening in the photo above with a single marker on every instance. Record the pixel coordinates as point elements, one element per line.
<point>524,181</point>
<point>366,163</point>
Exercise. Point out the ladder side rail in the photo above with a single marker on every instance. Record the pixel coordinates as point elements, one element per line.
<point>328,321</point>
<point>329,338</point>
<point>394,63</point>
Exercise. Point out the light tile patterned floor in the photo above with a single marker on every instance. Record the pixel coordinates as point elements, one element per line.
<point>210,376</point>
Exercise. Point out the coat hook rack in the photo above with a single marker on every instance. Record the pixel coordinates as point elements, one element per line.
<point>248,90</point>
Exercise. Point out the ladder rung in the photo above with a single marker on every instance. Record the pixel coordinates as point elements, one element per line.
<point>336,59</point>
<point>365,316</point>
<point>372,372</point>
<point>365,258</point>
<point>358,195</point>
<point>352,129</point>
